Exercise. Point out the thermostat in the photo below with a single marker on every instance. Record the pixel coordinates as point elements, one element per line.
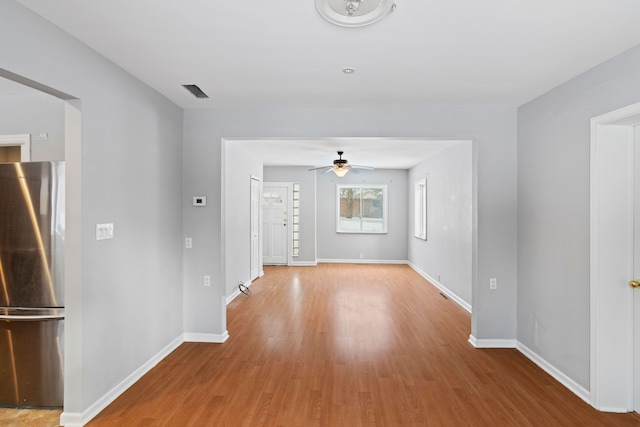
<point>199,201</point>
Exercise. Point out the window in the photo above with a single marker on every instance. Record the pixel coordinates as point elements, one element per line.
<point>420,209</point>
<point>296,219</point>
<point>361,209</point>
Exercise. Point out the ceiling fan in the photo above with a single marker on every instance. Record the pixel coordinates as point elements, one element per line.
<point>341,166</point>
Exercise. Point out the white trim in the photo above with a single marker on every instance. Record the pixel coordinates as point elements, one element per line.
<point>22,140</point>
<point>259,224</point>
<point>462,303</point>
<point>363,261</point>
<point>209,338</point>
<point>75,419</point>
<point>304,263</point>
<point>420,209</point>
<point>71,419</point>
<point>563,379</point>
<point>491,343</point>
<point>611,361</point>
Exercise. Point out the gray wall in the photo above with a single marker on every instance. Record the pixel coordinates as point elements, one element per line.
<point>446,255</point>
<point>129,305</point>
<point>391,246</point>
<point>34,113</point>
<point>238,214</point>
<point>493,130</point>
<point>307,229</point>
<point>553,210</point>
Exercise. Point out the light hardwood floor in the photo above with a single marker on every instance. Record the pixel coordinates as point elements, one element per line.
<point>348,345</point>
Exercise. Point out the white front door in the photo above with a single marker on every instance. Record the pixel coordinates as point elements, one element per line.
<point>275,220</point>
<point>255,229</point>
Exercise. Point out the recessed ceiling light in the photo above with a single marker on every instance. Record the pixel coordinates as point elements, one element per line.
<point>348,71</point>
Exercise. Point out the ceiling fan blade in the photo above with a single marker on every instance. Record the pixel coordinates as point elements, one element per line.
<point>320,167</point>
<point>369,168</point>
<point>327,171</point>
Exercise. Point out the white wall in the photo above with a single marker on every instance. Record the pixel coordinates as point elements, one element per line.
<point>129,303</point>
<point>34,113</point>
<point>391,246</point>
<point>553,210</point>
<point>307,229</point>
<point>492,129</point>
<point>446,255</point>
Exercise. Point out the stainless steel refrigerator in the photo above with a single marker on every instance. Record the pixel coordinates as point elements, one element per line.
<point>31,284</point>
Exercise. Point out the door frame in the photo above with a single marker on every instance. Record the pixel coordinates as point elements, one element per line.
<point>611,259</point>
<point>253,220</point>
<point>289,186</point>
<point>22,140</point>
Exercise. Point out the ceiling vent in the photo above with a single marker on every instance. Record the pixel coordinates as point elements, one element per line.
<point>196,91</point>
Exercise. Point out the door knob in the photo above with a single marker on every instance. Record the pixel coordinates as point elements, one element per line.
<point>634,283</point>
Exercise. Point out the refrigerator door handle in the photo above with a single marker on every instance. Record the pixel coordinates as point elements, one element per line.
<point>31,317</point>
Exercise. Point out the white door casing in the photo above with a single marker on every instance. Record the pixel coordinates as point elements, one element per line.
<point>23,141</point>
<point>612,259</point>
<point>275,222</point>
<point>636,271</point>
<point>256,220</point>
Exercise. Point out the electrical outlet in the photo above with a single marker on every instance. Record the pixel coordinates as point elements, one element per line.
<point>188,243</point>
<point>361,256</point>
<point>493,283</point>
<point>207,280</point>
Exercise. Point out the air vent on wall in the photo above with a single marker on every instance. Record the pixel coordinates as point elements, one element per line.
<point>195,91</point>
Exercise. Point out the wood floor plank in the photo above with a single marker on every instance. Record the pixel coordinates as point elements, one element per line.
<point>348,345</point>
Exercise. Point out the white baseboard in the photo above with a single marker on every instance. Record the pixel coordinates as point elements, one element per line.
<point>74,419</point>
<point>71,419</point>
<point>304,263</point>
<point>210,338</point>
<point>363,261</point>
<point>574,387</point>
<point>558,375</point>
<point>491,343</point>
<point>462,303</point>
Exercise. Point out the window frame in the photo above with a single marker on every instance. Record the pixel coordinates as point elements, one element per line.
<point>385,212</point>
<point>420,209</point>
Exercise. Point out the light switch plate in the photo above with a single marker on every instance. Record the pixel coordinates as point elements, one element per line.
<point>104,231</point>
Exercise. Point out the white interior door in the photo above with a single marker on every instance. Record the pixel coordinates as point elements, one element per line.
<point>256,265</point>
<point>615,260</point>
<point>275,220</point>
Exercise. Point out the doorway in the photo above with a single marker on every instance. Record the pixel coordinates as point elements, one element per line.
<point>15,148</point>
<point>256,256</point>
<point>275,222</point>
<point>615,260</point>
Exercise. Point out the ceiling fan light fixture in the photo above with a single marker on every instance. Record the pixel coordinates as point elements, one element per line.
<point>340,171</point>
<point>340,167</point>
<point>354,13</point>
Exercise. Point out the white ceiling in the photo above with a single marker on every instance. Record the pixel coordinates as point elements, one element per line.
<point>380,153</point>
<point>277,53</point>
<point>263,53</point>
